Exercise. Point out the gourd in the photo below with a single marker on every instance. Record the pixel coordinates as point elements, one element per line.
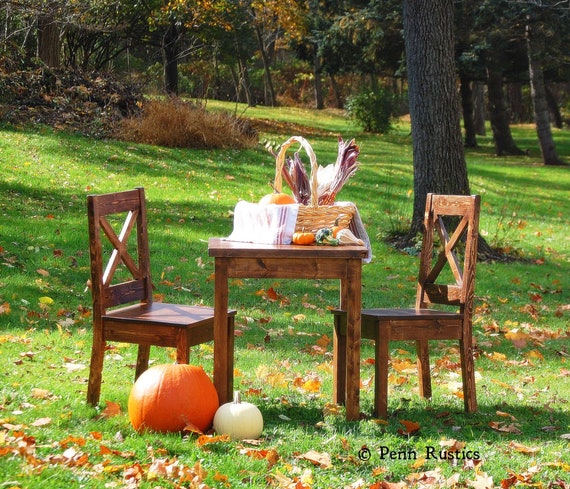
<point>347,237</point>
<point>277,198</point>
<point>303,238</point>
<point>240,420</point>
<point>171,397</point>
<point>324,236</point>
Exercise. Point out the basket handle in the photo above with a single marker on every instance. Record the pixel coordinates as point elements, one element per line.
<point>280,161</point>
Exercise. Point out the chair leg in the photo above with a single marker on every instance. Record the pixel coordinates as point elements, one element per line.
<point>381,371</point>
<point>468,375</point>
<point>182,347</point>
<point>423,368</point>
<point>339,359</point>
<point>95,371</point>
<point>142,360</point>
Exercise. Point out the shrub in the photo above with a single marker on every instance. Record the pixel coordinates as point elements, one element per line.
<point>177,124</point>
<point>373,110</point>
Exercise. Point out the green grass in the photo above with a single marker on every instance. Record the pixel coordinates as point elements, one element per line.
<point>50,438</point>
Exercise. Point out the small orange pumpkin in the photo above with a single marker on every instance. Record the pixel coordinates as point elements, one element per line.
<point>168,398</point>
<point>277,198</point>
<point>336,228</point>
<point>303,238</point>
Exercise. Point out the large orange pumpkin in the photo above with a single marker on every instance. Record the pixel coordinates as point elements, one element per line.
<point>277,198</point>
<point>168,398</point>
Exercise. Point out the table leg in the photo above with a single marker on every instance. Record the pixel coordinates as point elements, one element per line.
<point>351,294</point>
<point>339,362</point>
<point>223,343</point>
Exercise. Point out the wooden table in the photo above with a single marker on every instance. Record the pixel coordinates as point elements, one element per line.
<point>247,260</point>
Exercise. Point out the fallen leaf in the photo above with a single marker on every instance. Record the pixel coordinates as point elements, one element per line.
<point>518,338</point>
<point>112,409</point>
<point>523,448</point>
<point>40,393</point>
<point>74,367</point>
<point>504,428</point>
<point>312,385</point>
<point>105,450</point>
<point>207,439</point>
<point>505,415</point>
<point>320,459</point>
<point>410,427</point>
<point>270,455</point>
<point>482,481</point>
<point>41,422</point>
<point>77,440</point>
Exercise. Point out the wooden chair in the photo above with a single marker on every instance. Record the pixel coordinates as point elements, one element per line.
<point>123,306</point>
<point>453,221</point>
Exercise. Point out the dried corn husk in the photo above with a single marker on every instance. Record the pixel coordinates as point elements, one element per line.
<point>332,177</point>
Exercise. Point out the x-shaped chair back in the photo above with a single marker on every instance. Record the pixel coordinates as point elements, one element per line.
<point>454,220</point>
<point>126,251</point>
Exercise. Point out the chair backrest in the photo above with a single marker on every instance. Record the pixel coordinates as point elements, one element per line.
<point>118,247</point>
<point>451,229</point>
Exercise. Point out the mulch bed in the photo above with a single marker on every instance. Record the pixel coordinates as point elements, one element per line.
<point>87,103</point>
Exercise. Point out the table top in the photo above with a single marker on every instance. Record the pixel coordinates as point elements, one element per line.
<point>219,247</point>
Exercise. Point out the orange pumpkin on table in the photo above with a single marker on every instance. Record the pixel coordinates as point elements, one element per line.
<point>279,198</point>
<point>303,238</point>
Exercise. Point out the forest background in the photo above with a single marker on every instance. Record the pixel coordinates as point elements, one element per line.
<point>374,59</point>
<point>311,53</point>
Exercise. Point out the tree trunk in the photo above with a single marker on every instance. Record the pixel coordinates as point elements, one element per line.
<point>319,99</point>
<point>479,112</point>
<point>170,53</point>
<point>439,160</point>
<point>468,121</point>
<point>269,91</point>
<point>504,142</point>
<point>336,91</point>
<point>517,112</point>
<point>541,112</point>
<point>554,108</point>
<point>48,38</point>
<point>245,85</point>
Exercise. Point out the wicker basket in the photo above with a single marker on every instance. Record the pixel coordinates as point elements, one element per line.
<point>312,217</point>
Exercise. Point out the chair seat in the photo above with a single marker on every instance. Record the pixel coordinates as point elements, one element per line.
<point>410,313</point>
<point>163,313</point>
<point>406,324</point>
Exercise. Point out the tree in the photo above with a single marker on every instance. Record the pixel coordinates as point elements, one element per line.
<point>439,160</point>
<point>531,36</point>
<point>498,115</point>
<point>49,47</point>
<point>259,32</point>
<point>539,98</point>
<point>470,67</point>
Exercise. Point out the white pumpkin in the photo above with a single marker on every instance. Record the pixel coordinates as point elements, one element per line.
<point>239,420</point>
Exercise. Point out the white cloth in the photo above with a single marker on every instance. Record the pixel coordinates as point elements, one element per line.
<point>357,227</point>
<point>264,224</point>
<point>275,224</point>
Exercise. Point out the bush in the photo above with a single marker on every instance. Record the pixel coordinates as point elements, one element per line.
<point>177,124</point>
<point>373,110</point>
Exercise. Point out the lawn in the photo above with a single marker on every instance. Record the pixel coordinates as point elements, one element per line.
<point>50,438</point>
